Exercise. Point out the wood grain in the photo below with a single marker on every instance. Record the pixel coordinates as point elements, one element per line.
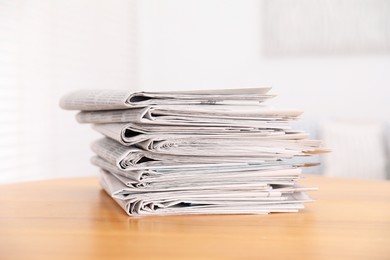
<point>75,219</point>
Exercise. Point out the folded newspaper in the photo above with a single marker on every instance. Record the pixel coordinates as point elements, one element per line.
<point>96,100</point>
<point>225,115</point>
<point>134,158</point>
<point>131,133</point>
<point>196,152</point>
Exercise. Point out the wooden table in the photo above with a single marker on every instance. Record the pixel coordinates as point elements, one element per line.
<point>75,219</point>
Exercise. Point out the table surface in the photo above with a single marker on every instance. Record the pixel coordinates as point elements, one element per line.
<point>75,219</point>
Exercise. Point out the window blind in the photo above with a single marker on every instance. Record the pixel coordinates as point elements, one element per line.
<point>48,48</point>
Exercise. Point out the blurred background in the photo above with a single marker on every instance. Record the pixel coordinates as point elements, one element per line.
<point>330,58</point>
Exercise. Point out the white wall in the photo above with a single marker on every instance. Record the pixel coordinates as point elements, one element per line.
<point>217,44</point>
<point>50,47</point>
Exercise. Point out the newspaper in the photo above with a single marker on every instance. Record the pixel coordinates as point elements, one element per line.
<point>134,158</point>
<point>195,115</point>
<point>220,198</point>
<point>227,144</point>
<point>230,147</point>
<point>122,99</point>
<point>149,178</point>
<point>132,133</point>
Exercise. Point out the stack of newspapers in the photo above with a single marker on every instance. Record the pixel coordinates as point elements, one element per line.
<point>195,152</point>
